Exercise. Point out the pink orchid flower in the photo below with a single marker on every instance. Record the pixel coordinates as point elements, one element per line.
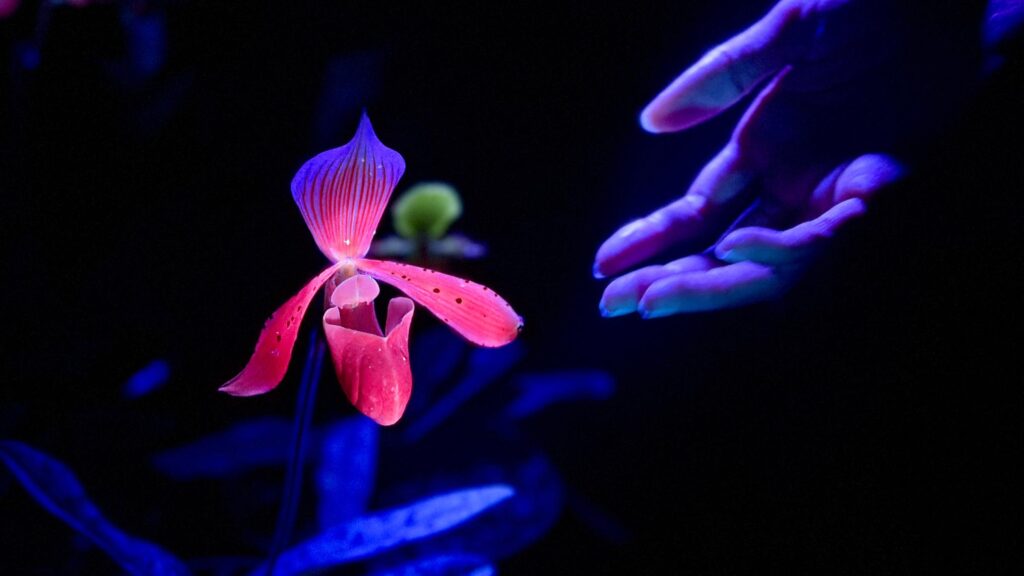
<point>342,194</point>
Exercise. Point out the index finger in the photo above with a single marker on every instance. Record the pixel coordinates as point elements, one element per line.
<point>730,70</point>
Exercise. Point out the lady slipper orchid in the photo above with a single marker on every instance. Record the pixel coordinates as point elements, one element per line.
<point>342,194</point>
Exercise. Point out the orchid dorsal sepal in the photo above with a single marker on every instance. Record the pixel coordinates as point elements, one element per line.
<point>342,192</point>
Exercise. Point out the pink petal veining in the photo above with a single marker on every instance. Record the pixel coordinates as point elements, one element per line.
<point>342,192</point>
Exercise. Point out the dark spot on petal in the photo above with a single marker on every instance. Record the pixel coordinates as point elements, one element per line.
<point>458,300</point>
<point>278,336</point>
<point>437,290</point>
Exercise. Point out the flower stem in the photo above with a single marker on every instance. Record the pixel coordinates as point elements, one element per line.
<point>293,477</point>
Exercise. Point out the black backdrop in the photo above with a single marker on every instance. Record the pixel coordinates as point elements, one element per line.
<point>865,423</point>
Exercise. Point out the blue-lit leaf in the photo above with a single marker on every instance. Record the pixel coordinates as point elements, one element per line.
<point>443,565</point>
<point>149,379</point>
<point>57,490</point>
<point>347,469</point>
<point>251,444</point>
<point>1003,19</point>
<point>505,529</point>
<point>485,366</point>
<point>538,391</point>
<point>374,534</point>
<point>436,355</point>
<point>456,246</point>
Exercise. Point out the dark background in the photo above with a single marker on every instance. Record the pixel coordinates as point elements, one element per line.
<point>866,423</point>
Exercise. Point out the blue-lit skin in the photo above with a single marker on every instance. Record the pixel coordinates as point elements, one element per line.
<point>845,83</point>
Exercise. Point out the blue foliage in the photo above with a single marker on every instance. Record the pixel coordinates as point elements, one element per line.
<point>57,490</point>
<point>347,470</point>
<point>539,391</point>
<point>252,444</point>
<point>522,498</point>
<point>442,565</point>
<point>505,529</point>
<point>438,352</point>
<point>485,366</point>
<point>149,379</point>
<point>377,533</point>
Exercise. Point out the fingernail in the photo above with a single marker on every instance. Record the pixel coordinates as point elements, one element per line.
<point>597,271</point>
<point>610,312</point>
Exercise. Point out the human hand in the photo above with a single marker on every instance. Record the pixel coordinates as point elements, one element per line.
<point>850,81</point>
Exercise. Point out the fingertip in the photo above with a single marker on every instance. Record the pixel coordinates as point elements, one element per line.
<point>598,274</point>
<point>648,121</point>
<point>610,310</point>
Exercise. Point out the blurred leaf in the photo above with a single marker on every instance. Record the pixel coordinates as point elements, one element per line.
<point>394,247</point>
<point>426,210</point>
<point>242,447</point>
<point>149,379</point>
<point>444,565</point>
<point>1003,19</point>
<point>436,355</point>
<point>347,470</point>
<point>485,366</point>
<point>374,534</point>
<point>55,487</point>
<point>538,391</point>
<point>456,246</point>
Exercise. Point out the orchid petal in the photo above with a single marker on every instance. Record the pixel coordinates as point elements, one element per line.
<point>269,362</point>
<point>342,192</point>
<point>373,370</point>
<point>474,311</point>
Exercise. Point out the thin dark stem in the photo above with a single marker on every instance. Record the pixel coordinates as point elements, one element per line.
<point>293,477</point>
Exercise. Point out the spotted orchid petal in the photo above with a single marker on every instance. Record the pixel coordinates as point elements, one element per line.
<point>476,312</point>
<point>342,192</point>
<point>373,369</point>
<point>269,362</point>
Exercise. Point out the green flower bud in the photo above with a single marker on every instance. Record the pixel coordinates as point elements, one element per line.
<point>426,210</point>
